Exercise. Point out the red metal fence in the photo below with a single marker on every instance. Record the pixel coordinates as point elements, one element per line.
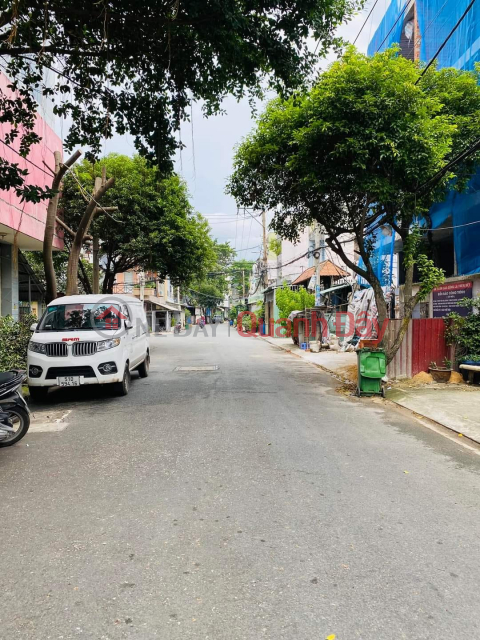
<point>424,342</point>
<point>428,344</point>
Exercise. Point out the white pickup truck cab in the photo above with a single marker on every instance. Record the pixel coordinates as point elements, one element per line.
<point>88,339</point>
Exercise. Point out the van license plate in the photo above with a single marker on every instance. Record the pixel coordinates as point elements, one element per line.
<point>69,381</point>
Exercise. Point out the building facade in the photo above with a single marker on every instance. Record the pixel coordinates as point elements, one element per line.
<point>22,224</point>
<point>421,27</point>
<point>162,301</point>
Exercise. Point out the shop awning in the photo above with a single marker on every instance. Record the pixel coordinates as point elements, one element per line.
<point>339,286</point>
<point>160,303</point>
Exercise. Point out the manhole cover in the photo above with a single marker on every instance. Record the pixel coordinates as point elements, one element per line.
<point>213,367</point>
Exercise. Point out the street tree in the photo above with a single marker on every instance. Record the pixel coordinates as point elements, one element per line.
<point>209,289</point>
<point>368,145</point>
<point>136,67</point>
<point>153,226</point>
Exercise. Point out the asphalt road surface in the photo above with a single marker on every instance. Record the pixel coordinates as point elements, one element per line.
<point>249,502</point>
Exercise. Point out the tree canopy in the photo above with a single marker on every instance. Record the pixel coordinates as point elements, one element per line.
<point>209,289</point>
<point>361,149</point>
<point>154,227</point>
<point>288,300</point>
<point>136,66</point>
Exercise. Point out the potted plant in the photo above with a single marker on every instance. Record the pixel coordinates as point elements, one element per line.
<point>443,373</point>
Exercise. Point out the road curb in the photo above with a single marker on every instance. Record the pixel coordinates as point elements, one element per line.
<point>421,416</point>
<point>425,420</point>
<point>333,373</point>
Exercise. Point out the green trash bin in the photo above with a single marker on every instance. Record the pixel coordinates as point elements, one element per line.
<point>372,367</point>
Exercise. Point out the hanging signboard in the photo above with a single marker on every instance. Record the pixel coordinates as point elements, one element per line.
<point>446,297</point>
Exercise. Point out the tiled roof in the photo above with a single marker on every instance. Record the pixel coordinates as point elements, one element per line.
<point>327,268</point>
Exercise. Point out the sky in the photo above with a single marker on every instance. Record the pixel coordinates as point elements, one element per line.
<point>206,162</point>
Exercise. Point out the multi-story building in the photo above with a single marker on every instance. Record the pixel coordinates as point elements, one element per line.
<point>161,299</point>
<point>22,224</point>
<point>421,27</point>
<point>295,265</point>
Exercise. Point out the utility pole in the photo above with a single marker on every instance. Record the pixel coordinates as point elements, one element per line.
<point>265,252</point>
<point>316,256</point>
<point>243,285</point>
<point>142,285</point>
<point>96,247</point>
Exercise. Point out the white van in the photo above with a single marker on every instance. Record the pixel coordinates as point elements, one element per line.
<point>88,339</point>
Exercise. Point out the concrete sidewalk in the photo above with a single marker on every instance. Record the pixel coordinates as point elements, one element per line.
<point>456,407</point>
<point>335,362</point>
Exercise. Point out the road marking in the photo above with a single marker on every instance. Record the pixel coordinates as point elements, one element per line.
<point>52,424</point>
<point>46,427</point>
<point>212,367</point>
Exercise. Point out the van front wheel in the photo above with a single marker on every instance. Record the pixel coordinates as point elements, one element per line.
<point>122,388</point>
<point>144,367</point>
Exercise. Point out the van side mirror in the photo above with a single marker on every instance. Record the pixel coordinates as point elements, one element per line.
<point>33,327</point>
<point>128,325</point>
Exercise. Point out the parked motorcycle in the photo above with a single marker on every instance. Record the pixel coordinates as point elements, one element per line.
<point>14,412</point>
<point>177,328</point>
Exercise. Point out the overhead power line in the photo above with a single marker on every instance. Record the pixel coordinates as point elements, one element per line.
<point>442,46</point>
<point>394,25</point>
<point>366,20</point>
<point>461,156</point>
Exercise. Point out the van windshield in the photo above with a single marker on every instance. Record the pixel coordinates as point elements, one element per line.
<point>83,317</point>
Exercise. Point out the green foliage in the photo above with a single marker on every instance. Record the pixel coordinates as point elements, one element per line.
<point>352,151</point>
<point>241,271</point>
<point>430,276</point>
<point>288,300</point>
<point>464,332</point>
<point>275,246</point>
<point>60,262</point>
<point>360,141</point>
<point>234,311</point>
<point>260,309</point>
<point>247,322</point>
<point>136,67</point>
<point>209,290</point>
<point>14,338</point>
<point>154,229</point>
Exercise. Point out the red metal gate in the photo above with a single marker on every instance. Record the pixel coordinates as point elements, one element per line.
<point>428,343</point>
<point>423,343</point>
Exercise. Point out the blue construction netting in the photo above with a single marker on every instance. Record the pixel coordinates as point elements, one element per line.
<point>382,257</point>
<point>462,210</point>
<point>436,18</point>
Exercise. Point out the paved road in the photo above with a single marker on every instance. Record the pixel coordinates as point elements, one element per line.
<point>253,502</point>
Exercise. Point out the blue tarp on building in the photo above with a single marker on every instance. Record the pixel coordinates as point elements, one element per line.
<point>436,18</point>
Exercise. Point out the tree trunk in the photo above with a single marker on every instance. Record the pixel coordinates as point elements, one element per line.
<point>409,303</point>
<point>60,170</point>
<point>96,265</point>
<point>84,279</point>
<point>72,269</point>
<point>108,281</point>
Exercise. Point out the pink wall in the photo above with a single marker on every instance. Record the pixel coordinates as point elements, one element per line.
<point>26,217</point>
